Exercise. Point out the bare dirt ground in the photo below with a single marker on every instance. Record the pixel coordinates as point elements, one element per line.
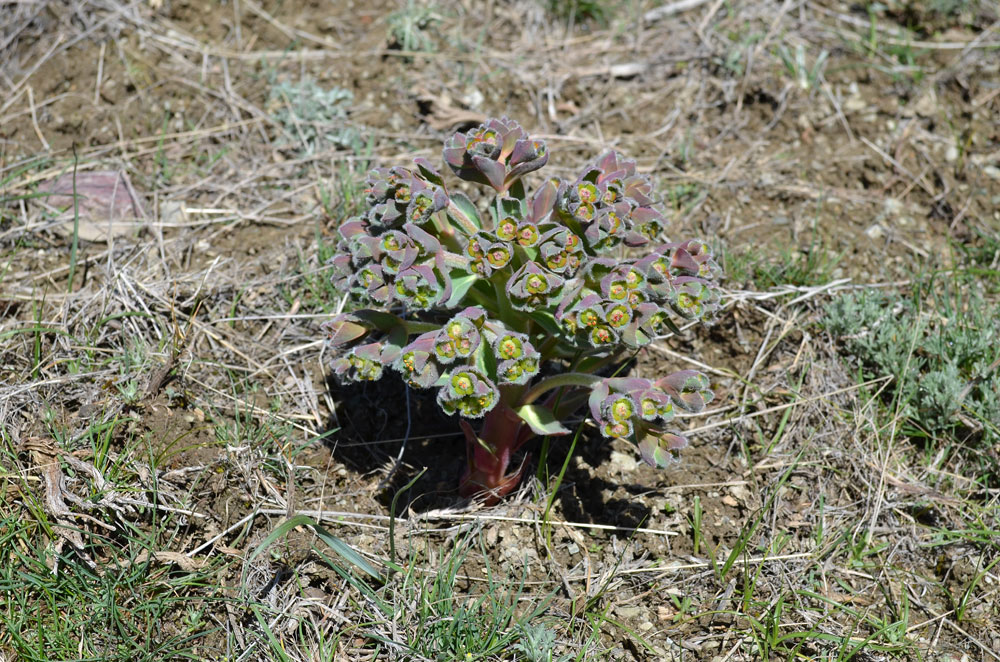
<point>164,390</point>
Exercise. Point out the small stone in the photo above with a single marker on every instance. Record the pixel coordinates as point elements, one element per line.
<point>926,105</point>
<point>473,98</point>
<point>992,172</point>
<point>855,104</point>
<point>629,612</point>
<point>951,154</point>
<point>625,462</point>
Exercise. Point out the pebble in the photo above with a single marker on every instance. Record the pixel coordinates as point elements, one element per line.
<point>629,612</point>
<point>624,461</point>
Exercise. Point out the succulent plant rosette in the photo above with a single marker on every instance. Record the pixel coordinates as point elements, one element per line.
<point>512,308</point>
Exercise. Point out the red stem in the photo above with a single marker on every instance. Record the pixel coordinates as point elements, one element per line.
<point>489,454</point>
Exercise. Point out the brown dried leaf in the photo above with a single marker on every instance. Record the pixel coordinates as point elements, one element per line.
<point>108,205</point>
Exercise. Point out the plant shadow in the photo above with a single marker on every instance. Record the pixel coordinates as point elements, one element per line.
<point>583,494</point>
<point>378,422</point>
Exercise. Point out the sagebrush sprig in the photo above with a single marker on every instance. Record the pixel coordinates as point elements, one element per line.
<point>475,304</point>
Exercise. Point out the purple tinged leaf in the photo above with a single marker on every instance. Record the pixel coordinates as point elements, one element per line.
<point>341,266</point>
<point>428,171</point>
<point>528,156</point>
<point>633,337</point>
<point>509,131</point>
<point>390,353</point>
<point>525,150</point>
<point>370,352</point>
<point>365,247</point>
<point>378,189</point>
<point>673,442</point>
<point>493,171</point>
<point>598,393</point>
<point>442,268</point>
<point>382,294</point>
<point>454,151</point>
<point>685,380</point>
<point>343,329</point>
<point>427,242</point>
<point>638,187</point>
<point>628,384</point>
<point>651,453</point>
<point>608,162</point>
<point>598,267</point>
<point>684,263</point>
<point>543,201</point>
<point>355,226</point>
<point>634,239</point>
<point>657,448</point>
<point>475,314</point>
<point>688,389</point>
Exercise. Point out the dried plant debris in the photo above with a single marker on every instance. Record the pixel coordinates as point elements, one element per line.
<point>95,205</point>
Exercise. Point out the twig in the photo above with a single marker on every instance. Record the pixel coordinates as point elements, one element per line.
<point>525,520</point>
<point>681,6</point>
<point>707,564</point>
<point>34,120</point>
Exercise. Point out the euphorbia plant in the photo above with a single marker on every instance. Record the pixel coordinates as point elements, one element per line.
<point>510,310</point>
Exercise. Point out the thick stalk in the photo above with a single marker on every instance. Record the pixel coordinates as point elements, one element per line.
<point>507,312</point>
<point>502,434</point>
<point>490,451</point>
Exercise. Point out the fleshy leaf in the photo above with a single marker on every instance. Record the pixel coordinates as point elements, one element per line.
<point>688,389</point>
<point>341,330</point>
<point>468,212</point>
<point>657,448</point>
<point>459,288</point>
<point>492,170</point>
<point>541,420</point>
